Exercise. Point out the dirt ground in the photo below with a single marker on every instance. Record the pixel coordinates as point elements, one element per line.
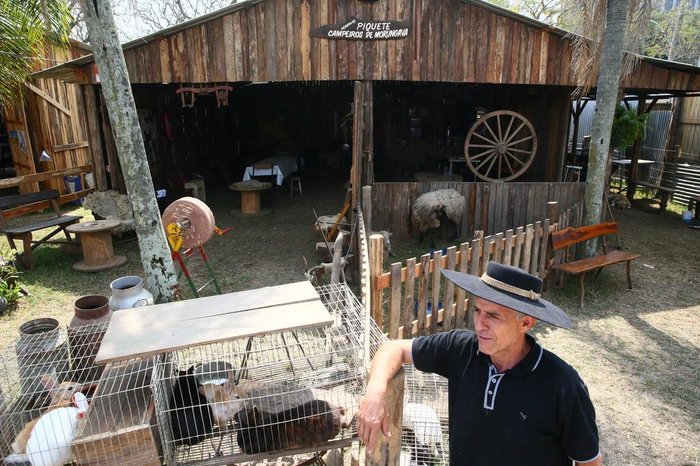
<point>638,350</point>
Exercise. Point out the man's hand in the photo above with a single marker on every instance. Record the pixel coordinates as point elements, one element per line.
<point>372,417</point>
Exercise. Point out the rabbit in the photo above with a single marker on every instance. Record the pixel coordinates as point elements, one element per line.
<point>223,400</point>
<point>60,396</point>
<point>52,434</point>
<point>307,425</point>
<point>190,416</point>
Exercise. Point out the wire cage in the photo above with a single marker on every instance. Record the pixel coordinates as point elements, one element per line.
<point>424,432</point>
<point>275,395</point>
<point>43,370</point>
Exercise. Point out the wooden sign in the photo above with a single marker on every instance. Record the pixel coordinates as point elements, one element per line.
<point>356,29</point>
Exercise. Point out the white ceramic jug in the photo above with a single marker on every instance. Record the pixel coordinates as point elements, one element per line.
<point>128,292</point>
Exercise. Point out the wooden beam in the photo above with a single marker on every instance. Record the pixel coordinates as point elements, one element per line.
<point>388,449</point>
<point>95,135</point>
<point>43,176</point>
<point>49,99</point>
<point>71,146</point>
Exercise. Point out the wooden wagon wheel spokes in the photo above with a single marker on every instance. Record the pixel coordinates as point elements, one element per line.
<point>500,146</point>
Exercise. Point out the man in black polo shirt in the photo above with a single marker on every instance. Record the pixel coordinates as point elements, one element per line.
<point>511,402</point>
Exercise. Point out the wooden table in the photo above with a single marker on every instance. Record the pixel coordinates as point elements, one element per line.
<point>250,194</point>
<point>96,240</point>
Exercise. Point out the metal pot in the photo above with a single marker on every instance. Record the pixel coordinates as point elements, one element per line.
<point>128,292</point>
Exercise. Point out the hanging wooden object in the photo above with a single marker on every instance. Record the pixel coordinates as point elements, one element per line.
<point>500,146</point>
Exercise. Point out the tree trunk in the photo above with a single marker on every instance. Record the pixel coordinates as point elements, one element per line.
<point>109,57</point>
<point>606,101</point>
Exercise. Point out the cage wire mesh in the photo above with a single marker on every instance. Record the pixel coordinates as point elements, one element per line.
<point>269,396</point>
<point>288,396</point>
<point>424,432</point>
<point>42,372</point>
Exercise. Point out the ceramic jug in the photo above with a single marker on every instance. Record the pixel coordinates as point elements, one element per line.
<point>128,292</point>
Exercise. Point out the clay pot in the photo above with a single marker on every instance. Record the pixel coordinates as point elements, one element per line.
<point>85,333</point>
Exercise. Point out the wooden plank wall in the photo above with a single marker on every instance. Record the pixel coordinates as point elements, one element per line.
<point>490,207</point>
<point>450,41</point>
<point>59,127</point>
<point>405,295</point>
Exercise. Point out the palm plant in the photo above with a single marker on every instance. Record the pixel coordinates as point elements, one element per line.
<point>605,29</point>
<point>26,28</point>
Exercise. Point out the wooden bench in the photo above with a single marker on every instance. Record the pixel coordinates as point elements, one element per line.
<point>663,191</point>
<point>24,232</point>
<point>572,236</point>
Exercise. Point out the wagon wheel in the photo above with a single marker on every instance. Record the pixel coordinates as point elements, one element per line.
<point>500,146</point>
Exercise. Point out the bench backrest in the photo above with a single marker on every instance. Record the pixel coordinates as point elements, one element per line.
<point>8,202</point>
<point>570,236</point>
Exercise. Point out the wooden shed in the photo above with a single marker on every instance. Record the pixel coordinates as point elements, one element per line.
<point>43,136</point>
<point>269,76</point>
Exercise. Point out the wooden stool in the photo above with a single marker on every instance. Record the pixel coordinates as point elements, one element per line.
<point>293,187</point>
<point>96,240</point>
<point>198,189</point>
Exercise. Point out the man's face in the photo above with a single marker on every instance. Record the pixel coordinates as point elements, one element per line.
<point>498,328</point>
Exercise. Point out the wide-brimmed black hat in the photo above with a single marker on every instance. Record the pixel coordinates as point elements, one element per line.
<point>513,288</point>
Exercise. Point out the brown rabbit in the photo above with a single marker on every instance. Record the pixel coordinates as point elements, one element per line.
<point>223,400</point>
<point>60,395</point>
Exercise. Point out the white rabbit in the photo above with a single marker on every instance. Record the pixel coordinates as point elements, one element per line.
<point>51,437</point>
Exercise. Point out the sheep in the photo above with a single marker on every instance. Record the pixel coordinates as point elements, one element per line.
<point>431,209</point>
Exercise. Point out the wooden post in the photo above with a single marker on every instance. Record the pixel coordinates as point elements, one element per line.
<point>367,207</point>
<point>337,267</point>
<point>388,449</point>
<point>367,176</point>
<point>633,175</point>
<point>376,259</point>
<point>553,211</point>
<point>357,141</point>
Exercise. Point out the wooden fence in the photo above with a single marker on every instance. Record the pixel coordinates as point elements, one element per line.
<point>403,301</point>
<point>490,207</point>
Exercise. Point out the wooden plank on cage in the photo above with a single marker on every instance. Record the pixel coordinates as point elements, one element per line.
<point>395,303</point>
<point>120,424</point>
<point>435,298</point>
<point>409,290</point>
<point>170,326</point>
<point>423,280</point>
<point>258,298</point>
<point>460,318</point>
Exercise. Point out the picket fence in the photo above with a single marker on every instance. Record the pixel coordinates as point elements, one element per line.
<point>403,298</point>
